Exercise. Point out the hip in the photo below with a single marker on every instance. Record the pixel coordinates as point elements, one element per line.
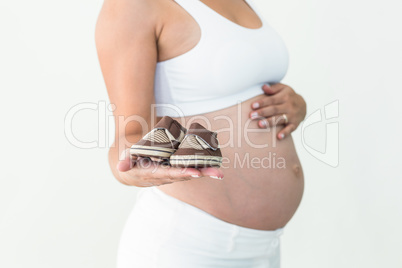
<point>163,231</point>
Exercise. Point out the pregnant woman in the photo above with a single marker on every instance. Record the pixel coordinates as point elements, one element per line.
<point>218,63</point>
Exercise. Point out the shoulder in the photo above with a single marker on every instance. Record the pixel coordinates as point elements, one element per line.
<point>124,19</point>
<point>139,8</point>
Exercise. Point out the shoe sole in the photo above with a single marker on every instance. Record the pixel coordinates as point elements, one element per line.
<point>151,151</point>
<point>195,161</point>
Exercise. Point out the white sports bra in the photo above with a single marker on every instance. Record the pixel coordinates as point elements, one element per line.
<point>227,66</point>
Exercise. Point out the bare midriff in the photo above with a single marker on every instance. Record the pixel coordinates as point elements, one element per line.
<point>263,179</point>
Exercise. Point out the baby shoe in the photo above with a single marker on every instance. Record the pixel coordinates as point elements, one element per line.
<point>199,148</point>
<point>160,142</point>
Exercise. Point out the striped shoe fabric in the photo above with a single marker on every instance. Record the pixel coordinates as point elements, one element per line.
<point>199,148</point>
<point>162,141</point>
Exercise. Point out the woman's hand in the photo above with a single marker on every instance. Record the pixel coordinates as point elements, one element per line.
<point>143,172</point>
<point>281,106</point>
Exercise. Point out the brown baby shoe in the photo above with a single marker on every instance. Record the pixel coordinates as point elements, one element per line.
<point>160,142</point>
<point>199,148</point>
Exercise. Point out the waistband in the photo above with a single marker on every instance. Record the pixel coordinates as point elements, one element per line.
<point>194,222</point>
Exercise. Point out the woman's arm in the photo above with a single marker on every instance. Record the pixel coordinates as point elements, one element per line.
<point>126,41</point>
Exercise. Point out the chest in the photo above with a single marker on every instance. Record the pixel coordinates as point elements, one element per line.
<point>180,31</point>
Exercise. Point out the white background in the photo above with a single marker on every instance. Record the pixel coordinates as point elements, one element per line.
<point>61,207</point>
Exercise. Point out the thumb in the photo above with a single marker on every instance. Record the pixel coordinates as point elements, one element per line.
<point>124,163</point>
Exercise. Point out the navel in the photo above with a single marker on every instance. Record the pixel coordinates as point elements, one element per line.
<point>297,170</point>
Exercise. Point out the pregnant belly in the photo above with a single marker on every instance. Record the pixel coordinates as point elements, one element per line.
<point>263,180</point>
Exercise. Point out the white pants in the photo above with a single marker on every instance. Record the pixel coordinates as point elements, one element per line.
<point>163,232</point>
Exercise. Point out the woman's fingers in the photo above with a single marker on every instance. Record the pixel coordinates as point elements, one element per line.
<point>281,99</point>
<point>275,94</point>
<point>214,173</point>
<point>265,101</point>
<point>158,173</point>
<point>272,121</point>
<point>148,170</point>
<point>286,131</point>
<point>269,111</point>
